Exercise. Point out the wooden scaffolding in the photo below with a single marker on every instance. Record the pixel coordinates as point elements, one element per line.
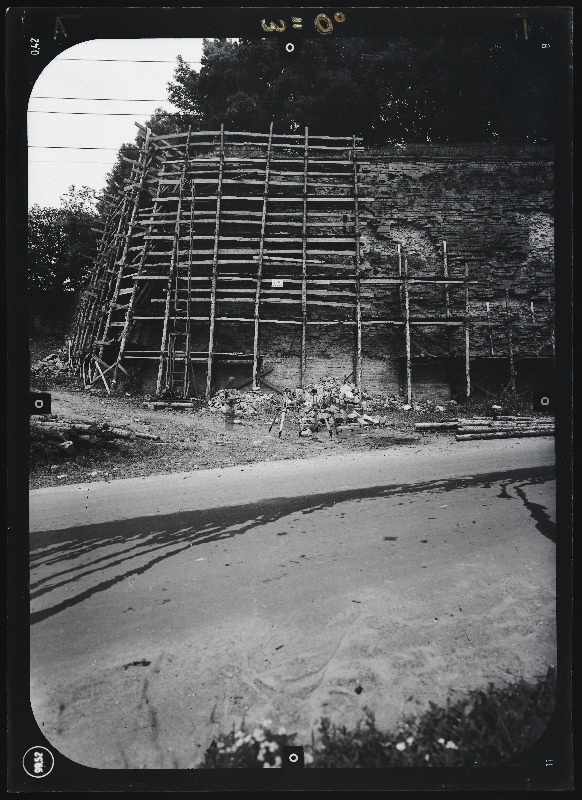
<point>246,230</point>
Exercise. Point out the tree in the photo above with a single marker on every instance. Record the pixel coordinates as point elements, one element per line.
<point>439,88</point>
<point>62,242</point>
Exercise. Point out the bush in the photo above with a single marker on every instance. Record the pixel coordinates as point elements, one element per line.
<point>485,728</point>
<point>261,748</point>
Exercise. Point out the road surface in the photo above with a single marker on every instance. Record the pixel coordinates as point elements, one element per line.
<point>167,609</point>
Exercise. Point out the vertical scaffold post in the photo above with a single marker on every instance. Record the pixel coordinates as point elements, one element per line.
<point>509,343</point>
<point>489,328</point>
<point>552,318</point>
<point>137,189</point>
<point>215,267</point>
<point>400,285</point>
<point>467,338</point>
<point>304,265</point>
<point>173,265</point>
<point>446,277</point>
<point>407,332</point>
<point>261,256</point>
<point>358,364</point>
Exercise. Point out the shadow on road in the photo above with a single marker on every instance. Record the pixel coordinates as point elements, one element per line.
<point>159,537</point>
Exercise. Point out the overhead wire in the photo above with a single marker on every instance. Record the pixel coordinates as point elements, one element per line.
<point>98,113</point>
<point>63,163</point>
<point>115,99</point>
<point>132,60</point>
<point>71,147</point>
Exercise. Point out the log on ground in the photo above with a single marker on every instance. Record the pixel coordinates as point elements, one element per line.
<point>468,437</point>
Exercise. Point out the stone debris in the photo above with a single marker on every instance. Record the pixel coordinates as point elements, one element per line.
<point>244,404</point>
<point>324,406</point>
<point>51,366</point>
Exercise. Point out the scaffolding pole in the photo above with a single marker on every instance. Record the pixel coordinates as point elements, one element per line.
<point>215,267</point>
<point>173,266</point>
<point>304,265</point>
<point>357,270</point>
<point>510,344</point>
<point>260,263</point>
<point>467,338</point>
<point>407,332</point>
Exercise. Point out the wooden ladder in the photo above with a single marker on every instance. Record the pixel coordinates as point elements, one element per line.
<point>178,372</point>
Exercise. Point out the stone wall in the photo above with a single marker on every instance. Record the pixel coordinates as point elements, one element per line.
<point>494,208</point>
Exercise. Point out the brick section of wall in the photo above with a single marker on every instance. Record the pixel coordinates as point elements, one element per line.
<point>432,379</point>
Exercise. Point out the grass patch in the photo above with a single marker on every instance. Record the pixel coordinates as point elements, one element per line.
<point>485,728</point>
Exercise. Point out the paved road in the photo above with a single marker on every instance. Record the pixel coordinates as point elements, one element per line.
<point>168,608</point>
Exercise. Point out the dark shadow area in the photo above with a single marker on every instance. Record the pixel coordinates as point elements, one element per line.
<point>159,537</point>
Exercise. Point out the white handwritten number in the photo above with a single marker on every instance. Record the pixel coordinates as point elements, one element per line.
<point>38,761</point>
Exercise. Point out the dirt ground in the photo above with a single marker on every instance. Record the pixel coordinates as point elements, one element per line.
<point>191,440</point>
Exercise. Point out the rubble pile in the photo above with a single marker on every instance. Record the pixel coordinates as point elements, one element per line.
<point>332,405</point>
<point>335,405</point>
<point>52,366</point>
<point>244,404</point>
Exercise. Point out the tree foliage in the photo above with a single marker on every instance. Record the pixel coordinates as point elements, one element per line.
<point>61,242</point>
<point>438,89</point>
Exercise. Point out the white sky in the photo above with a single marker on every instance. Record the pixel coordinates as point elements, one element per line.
<point>52,171</point>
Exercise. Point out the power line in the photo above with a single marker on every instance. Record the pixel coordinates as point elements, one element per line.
<point>131,60</point>
<point>98,113</point>
<point>116,99</point>
<point>71,147</point>
<point>64,163</point>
